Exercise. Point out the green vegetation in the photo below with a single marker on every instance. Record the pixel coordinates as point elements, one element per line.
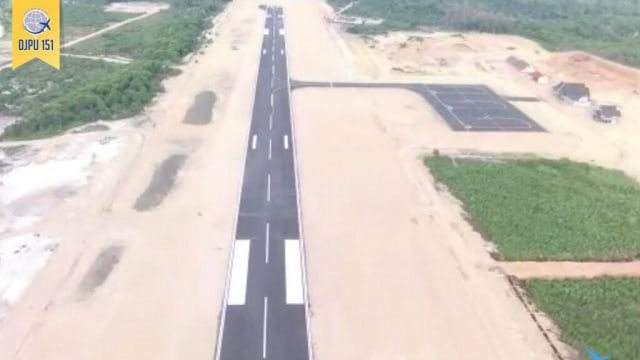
<point>538,209</point>
<point>167,35</point>
<point>604,27</point>
<point>35,83</point>
<point>120,94</point>
<point>76,22</point>
<point>603,314</point>
<point>50,102</point>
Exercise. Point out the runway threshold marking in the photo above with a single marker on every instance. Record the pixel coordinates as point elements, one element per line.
<point>293,272</point>
<point>254,142</point>
<point>239,273</point>
<point>264,328</point>
<point>286,142</point>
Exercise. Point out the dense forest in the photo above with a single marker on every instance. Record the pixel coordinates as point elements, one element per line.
<point>50,102</point>
<point>610,28</point>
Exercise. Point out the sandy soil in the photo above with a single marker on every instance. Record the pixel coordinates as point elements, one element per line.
<point>161,299</point>
<point>386,248</point>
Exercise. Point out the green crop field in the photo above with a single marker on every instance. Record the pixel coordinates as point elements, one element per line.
<point>602,314</point>
<point>538,209</point>
<point>605,27</point>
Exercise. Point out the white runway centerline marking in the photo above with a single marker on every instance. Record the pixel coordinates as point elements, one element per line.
<point>269,149</point>
<point>271,99</point>
<point>264,329</point>
<point>268,187</point>
<point>286,142</point>
<point>293,272</point>
<point>270,121</point>
<point>239,273</point>
<point>254,141</point>
<point>266,237</point>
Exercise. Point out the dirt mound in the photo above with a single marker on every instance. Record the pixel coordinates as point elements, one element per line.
<point>590,68</point>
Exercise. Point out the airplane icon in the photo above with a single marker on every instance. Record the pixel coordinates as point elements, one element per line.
<point>595,356</point>
<point>46,25</point>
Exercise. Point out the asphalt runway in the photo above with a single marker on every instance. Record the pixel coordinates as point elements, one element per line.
<point>265,307</point>
<point>463,107</point>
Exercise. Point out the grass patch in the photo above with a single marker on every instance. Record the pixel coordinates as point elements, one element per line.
<point>168,35</point>
<point>604,27</point>
<point>602,314</point>
<point>538,209</point>
<point>76,23</point>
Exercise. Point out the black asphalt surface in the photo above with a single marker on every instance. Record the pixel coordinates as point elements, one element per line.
<point>269,196</point>
<point>463,107</point>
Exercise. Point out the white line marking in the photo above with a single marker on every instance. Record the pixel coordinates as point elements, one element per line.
<point>239,273</point>
<point>293,272</point>
<point>266,31</point>
<point>269,149</point>
<point>286,142</point>
<point>268,187</point>
<point>264,329</point>
<point>281,51</point>
<point>273,68</point>
<point>271,99</point>
<point>266,252</point>
<point>270,121</point>
<point>264,51</point>
<point>254,142</point>
<point>282,32</point>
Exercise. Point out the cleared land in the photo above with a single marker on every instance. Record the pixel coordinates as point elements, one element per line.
<point>607,28</point>
<point>537,209</point>
<point>603,314</point>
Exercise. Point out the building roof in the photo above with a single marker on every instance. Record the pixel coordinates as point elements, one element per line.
<point>518,63</point>
<point>609,111</point>
<point>573,91</point>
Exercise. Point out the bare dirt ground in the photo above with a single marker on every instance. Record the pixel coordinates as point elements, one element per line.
<point>123,284</point>
<point>550,270</point>
<point>395,271</point>
<point>373,212</point>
